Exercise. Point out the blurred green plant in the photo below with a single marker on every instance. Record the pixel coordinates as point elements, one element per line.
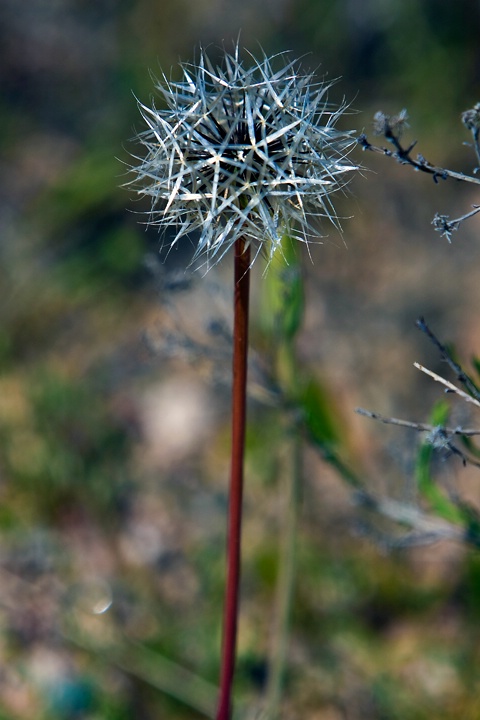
<point>435,514</point>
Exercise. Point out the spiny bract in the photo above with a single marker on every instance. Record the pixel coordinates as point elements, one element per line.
<point>241,151</point>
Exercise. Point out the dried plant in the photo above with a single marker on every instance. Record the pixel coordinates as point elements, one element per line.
<point>392,127</point>
<point>451,518</point>
<point>244,157</point>
<point>242,152</point>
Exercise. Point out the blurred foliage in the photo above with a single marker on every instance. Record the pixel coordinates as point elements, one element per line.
<point>111,559</point>
<point>427,486</point>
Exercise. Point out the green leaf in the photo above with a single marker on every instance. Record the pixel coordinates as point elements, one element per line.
<point>283,301</point>
<point>323,428</point>
<point>318,414</point>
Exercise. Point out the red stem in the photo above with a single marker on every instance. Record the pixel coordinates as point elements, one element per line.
<point>239,397</point>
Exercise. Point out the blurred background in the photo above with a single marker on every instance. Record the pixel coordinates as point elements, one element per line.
<point>114,378</point>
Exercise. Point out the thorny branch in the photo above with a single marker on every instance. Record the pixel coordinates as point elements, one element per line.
<point>391,127</point>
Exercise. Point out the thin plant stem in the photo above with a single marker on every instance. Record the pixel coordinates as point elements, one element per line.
<point>450,386</point>
<point>420,427</point>
<point>286,580</point>
<point>239,402</point>
<point>290,293</point>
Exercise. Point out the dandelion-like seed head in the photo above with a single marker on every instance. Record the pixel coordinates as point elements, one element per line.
<point>242,152</point>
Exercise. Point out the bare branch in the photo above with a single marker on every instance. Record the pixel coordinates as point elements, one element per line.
<point>450,386</point>
<point>446,227</point>
<point>420,427</point>
<point>403,156</point>
<point>462,376</point>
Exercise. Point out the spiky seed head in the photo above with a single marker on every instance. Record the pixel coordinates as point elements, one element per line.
<point>237,151</point>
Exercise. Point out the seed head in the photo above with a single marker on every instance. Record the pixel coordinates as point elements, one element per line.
<point>239,151</point>
<point>471,118</point>
<point>390,125</point>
